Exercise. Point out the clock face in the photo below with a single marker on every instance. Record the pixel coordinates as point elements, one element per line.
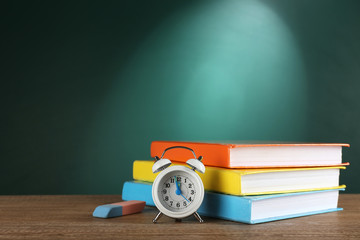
<point>178,191</point>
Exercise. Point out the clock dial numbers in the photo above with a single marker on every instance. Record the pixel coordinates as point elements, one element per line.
<point>174,199</point>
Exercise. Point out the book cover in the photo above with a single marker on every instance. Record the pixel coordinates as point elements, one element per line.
<point>229,181</point>
<point>221,154</point>
<point>234,208</point>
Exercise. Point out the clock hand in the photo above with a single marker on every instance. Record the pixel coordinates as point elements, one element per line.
<point>184,197</point>
<point>178,190</point>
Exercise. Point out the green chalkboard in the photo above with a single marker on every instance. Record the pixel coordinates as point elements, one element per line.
<point>86,86</point>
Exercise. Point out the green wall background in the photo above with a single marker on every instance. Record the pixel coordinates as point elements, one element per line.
<point>86,86</point>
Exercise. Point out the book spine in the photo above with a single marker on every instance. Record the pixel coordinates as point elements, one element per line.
<point>138,191</point>
<point>214,205</point>
<point>220,206</point>
<point>217,155</point>
<point>215,179</point>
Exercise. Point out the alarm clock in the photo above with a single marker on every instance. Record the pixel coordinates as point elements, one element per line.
<point>178,190</point>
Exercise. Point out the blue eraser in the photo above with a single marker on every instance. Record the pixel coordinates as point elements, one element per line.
<point>107,211</point>
<point>119,209</point>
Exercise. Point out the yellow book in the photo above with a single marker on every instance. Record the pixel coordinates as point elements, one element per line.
<point>256,181</point>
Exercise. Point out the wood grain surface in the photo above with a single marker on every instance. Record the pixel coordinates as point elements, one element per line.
<point>70,217</point>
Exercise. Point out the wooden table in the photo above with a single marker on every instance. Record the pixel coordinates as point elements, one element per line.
<point>70,217</point>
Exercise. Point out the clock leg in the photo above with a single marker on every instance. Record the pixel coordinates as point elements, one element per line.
<point>198,217</point>
<point>157,217</point>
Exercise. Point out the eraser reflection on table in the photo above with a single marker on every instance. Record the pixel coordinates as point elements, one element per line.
<point>119,209</point>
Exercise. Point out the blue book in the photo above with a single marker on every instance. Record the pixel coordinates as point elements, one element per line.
<point>250,209</point>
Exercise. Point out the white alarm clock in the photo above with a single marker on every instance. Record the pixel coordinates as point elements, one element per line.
<point>178,190</point>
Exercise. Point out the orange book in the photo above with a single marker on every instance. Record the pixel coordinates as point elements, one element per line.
<point>255,155</point>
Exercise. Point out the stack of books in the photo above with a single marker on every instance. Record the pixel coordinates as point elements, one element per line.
<point>254,183</point>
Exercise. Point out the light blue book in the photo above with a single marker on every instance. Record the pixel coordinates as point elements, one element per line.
<point>250,209</point>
